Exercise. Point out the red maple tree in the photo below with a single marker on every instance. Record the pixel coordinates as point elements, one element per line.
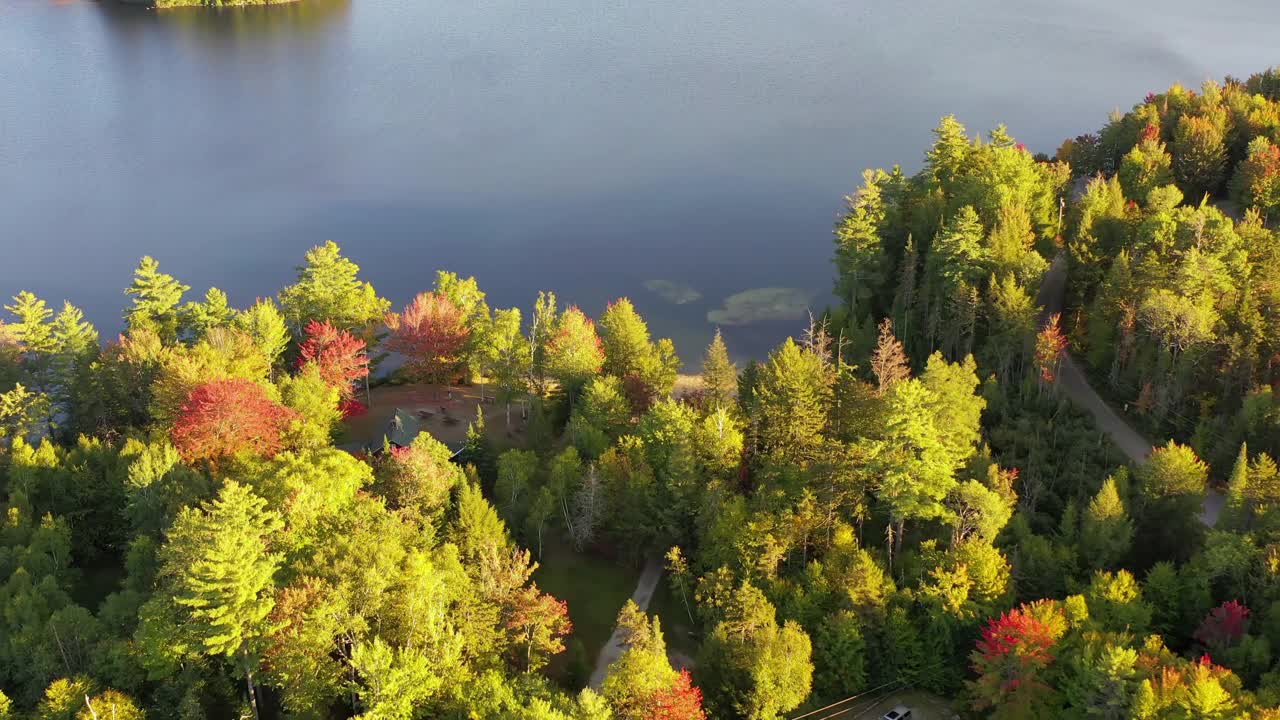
<point>681,701</point>
<point>222,418</point>
<point>431,333</point>
<point>1012,654</point>
<point>1223,626</point>
<point>337,354</point>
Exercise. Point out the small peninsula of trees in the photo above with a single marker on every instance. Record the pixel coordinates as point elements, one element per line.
<point>900,497</point>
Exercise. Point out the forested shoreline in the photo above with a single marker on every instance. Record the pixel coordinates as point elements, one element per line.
<point>900,497</point>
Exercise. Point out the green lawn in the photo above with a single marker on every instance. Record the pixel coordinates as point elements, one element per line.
<point>595,588</point>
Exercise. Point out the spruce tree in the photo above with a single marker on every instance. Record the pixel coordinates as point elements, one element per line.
<point>1236,513</point>
<point>719,374</point>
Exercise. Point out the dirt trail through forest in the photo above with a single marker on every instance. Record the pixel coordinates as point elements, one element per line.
<point>613,649</point>
<point>1073,382</point>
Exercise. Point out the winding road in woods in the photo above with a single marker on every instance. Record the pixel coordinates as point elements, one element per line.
<point>613,649</point>
<point>1073,382</point>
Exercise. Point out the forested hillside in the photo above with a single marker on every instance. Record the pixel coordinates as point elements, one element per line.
<point>901,497</point>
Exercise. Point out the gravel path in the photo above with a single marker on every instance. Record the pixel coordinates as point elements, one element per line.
<point>613,649</point>
<point>1073,382</point>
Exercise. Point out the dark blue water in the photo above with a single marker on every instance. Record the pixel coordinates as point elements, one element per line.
<point>589,146</point>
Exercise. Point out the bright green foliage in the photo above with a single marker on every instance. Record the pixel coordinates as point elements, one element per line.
<point>196,319</point>
<point>861,264</point>
<point>111,704</point>
<point>958,256</point>
<point>328,290</point>
<point>719,375</point>
<point>1105,530</point>
<point>545,321</point>
<point>1011,246</point>
<point>1103,680</point>
<point>625,338</point>
<point>1146,167</point>
<point>507,356</point>
<point>755,669</point>
<point>393,681</point>
<point>917,469</point>
<point>75,348</point>
<point>573,352</point>
<point>956,410</point>
<point>642,670</point>
<point>599,417</point>
<point>32,329</point>
<point>1011,320</point>
<point>21,412</point>
<point>718,441</point>
<point>217,560</point>
<point>1116,604</point>
<point>790,398</point>
<point>1172,484</point>
<point>979,511</point>
<point>1237,513</point>
<point>947,159</point>
<point>63,698</point>
<point>6,707</point>
<point>648,368</point>
<point>315,403</point>
<point>155,301</point>
<point>264,323</point>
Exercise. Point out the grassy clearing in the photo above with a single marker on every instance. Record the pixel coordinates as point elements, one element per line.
<point>595,588</point>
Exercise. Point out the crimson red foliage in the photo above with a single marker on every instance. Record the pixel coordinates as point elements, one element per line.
<point>682,701</point>
<point>1017,632</point>
<point>339,356</point>
<point>352,408</point>
<point>223,418</point>
<point>1224,625</point>
<point>431,333</point>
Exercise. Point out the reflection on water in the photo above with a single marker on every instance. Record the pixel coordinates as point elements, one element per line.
<point>227,25</point>
<point>678,152</point>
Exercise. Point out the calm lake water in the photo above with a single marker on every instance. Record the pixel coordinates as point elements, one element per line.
<point>588,146</point>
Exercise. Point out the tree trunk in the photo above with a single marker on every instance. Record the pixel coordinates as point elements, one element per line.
<point>248,681</point>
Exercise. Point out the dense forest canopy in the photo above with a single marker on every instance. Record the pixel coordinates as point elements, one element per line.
<point>902,497</point>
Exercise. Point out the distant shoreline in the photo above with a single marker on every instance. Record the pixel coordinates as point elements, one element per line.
<point>172,4</point>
